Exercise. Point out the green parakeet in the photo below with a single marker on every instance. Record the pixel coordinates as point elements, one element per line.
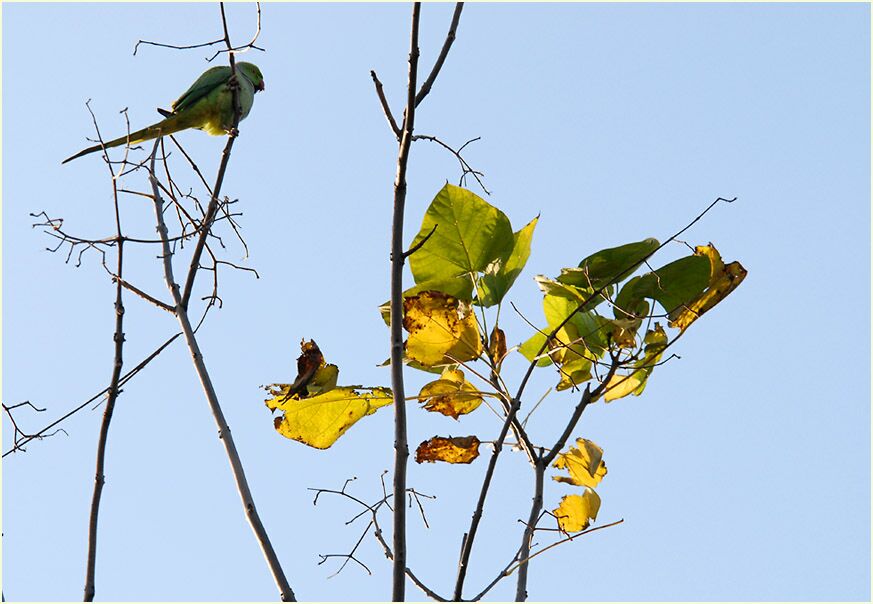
<point>207,105</point>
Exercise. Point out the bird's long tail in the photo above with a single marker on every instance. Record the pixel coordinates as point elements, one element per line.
<point>165,127</point>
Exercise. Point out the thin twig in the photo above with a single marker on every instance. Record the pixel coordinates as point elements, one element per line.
<point>385,107</point>
<point>465,167</point>
<point>130,374</point>
<point>145,296</point>
<point>447,45</point>
<point>113,389</point>
<point>418,245</point>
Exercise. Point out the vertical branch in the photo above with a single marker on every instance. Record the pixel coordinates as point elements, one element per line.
<point>470,535</point>
<point>536,509</point>
<point>401,446</point>
<point>212,208</point>
<point>112,396</point>
<point>542,463</point>
<point>285,592</point>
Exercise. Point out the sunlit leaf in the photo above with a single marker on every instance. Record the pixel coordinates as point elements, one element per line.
<point>442,329</point>
<point>470,234</point>
<point>500,274</point>
<point>723,280</point>
<point>584,463</point>
<point>553,287</point>
<point>460,449</point>
<point>576,512</point>
<point>531,348</point>
<point>320,420</point>
<point>450,395</point>
<point>621,385</point>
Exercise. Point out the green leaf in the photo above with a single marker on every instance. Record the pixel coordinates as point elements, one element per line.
<point>531,348</point>
<point>674,284</point>
<point>470,234</point>
<point>501,274</point>
<point>612,264</point>
<point>627,305</point>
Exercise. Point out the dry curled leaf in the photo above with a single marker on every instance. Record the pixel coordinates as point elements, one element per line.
<point>584,464</point>
<point>458,449</point>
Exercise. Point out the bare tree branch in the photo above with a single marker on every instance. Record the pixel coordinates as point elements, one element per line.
<point>401,446</point>
<point>113,389</point>
<point>447,45</point>
<point>224,433</point>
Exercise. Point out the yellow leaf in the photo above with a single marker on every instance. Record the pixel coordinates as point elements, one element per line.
<point>576,512</point>
<point>442,329</point>
<point>585,464</point>
<point>624,332</point>
<point>723,279</point>
<point>318,421</point>
<point>450,395</point>
<point>620,385</point>
<point>460,449</point>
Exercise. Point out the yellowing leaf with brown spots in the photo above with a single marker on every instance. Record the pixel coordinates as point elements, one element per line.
<point>318,421</point>
<point>584,464</point>
<point>442,329</point>
<point>458,449</point>
<point>576,512</point>
<point>723,279</point>
<point>450,395</point>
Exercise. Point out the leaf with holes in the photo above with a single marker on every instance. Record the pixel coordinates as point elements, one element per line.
<point>458,449</point>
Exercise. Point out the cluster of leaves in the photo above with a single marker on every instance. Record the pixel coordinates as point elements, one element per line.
<point>466,258</point>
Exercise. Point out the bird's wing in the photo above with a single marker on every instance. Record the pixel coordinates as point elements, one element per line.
<point>206,83</point>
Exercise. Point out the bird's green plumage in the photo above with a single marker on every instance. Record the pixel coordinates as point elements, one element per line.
<point>207,105</point>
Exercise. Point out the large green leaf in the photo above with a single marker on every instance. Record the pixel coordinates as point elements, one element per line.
<point>610,265</point>
<point>501,274</point>
<point>672,285</point>
<point>470,234</point>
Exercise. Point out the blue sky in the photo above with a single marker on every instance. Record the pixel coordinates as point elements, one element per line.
<point>742,473</point>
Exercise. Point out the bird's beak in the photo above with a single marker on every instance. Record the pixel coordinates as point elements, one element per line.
<point>260,87</point>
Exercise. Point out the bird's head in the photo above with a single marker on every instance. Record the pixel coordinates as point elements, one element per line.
<point>253,74</point>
